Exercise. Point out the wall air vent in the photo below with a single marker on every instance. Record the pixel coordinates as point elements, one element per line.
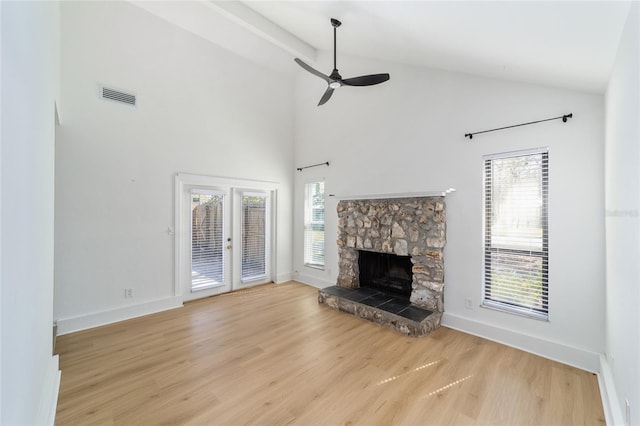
<point>118,96</point>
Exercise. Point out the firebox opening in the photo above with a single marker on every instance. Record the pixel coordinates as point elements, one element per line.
<point>385,272</point>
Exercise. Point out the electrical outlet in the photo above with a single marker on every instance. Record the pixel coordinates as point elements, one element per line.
<point>627,412</point>
<point>128,293</point>
<point>468,303</point>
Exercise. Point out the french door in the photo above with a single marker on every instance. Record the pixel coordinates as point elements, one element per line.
<point>225,236</point>
<point>208,242</point>
<point>254,209</point>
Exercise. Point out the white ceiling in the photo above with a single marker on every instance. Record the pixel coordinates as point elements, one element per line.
<point>569,44</point>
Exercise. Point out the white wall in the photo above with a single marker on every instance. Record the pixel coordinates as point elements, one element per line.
<point>622,204</point>
<point>407,135</point>
<point>202,110</point>
<point>29,372</point>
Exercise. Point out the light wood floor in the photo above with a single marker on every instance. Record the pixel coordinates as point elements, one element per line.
<point>271,355</point>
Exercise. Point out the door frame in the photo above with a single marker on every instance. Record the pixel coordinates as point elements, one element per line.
<point>186,180</point>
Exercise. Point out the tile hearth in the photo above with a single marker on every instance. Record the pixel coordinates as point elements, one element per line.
<point>389,311</point>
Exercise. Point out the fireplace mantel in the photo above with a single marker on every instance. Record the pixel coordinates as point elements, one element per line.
<point>394,195</point>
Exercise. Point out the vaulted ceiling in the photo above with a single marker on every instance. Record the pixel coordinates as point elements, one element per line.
<point>568,44</point>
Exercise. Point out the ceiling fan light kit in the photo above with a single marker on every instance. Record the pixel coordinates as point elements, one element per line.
<point>335,80</point>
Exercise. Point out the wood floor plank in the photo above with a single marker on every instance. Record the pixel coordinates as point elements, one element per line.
<point>272,355</point>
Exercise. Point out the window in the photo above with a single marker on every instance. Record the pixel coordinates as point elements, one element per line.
<point>516,249</point>
<point>314,225</point>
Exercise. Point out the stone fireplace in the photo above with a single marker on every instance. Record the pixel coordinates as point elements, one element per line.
<point>391,248</point>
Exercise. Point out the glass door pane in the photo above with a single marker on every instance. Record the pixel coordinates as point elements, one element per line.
<point>254,245</point>
<point>207,239</point>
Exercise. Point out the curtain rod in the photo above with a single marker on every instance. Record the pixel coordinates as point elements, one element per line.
<point>313,165</point>
<point>563,117</point>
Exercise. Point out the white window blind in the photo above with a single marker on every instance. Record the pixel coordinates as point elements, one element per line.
<point>516,250</point>
<point>314,225</point>
<point>254,236</point>
<point>207,239</point>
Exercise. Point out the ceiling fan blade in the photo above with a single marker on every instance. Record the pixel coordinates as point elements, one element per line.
<point>312,70</point>
<point>366,80</point>
<point>326,96</point>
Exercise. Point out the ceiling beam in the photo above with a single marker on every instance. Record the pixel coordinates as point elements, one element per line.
<point>261,26</point>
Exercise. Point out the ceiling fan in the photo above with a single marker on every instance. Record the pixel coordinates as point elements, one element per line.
<point>335,80</point>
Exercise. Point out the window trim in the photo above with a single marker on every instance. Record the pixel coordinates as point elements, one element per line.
<point>307,210</point>
<point>503,306</point>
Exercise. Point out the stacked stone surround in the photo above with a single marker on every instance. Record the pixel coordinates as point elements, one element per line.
<point>404,226</point>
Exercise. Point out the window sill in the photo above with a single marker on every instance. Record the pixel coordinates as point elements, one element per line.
<point>508,309</point>
<point>318,267</point>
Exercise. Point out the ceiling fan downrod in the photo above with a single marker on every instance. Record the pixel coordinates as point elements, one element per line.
<point>335,80</point>
<point>335,24</point>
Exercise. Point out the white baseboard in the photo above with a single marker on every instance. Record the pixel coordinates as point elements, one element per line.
<point>283,278</point>
<point>612,409</point>
<point>49,398</point>
<point>313,281</point>
<point>70,325</point>
<point>576,357</point>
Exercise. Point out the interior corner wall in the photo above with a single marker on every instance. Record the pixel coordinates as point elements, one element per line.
<point>622,207</point>
<point>29,372</point>
<point>407,135</point>
<point>201,110</point>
